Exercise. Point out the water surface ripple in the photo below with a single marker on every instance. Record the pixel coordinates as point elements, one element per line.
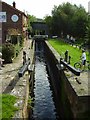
<point>44,108</point>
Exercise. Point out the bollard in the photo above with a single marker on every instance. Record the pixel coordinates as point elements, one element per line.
<point>69,59</point>
<point>66,55</point>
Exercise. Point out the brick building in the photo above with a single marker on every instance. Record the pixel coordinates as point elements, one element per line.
<point>12,21</point>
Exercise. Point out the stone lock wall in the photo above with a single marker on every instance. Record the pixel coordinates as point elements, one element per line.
<point>72,105</point>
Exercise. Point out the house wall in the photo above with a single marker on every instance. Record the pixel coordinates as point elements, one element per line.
<point>9,26</point>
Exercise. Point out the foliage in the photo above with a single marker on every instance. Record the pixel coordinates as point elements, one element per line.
<point>7,52</point>
<point>48,20</point>
<point>88,30</point>
<point>31,18</point>
<point>30,101</point>
<point>17,50</point>
<point>8,108</point>
<point>79,22</point>
<point>69,19</point>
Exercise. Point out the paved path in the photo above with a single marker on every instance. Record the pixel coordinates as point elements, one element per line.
<point>9,71</point>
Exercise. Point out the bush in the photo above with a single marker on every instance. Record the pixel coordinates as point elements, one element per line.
<point>7,52</point>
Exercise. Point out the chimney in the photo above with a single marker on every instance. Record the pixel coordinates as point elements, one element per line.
<point>14,4</point>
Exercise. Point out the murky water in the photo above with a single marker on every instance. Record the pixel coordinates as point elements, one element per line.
<point>44,108</point>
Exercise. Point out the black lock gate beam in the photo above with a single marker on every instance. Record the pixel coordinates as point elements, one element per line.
<point>71,68</point>
<point>24,68</point>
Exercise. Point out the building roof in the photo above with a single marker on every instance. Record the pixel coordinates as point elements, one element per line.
<point>14,8</point>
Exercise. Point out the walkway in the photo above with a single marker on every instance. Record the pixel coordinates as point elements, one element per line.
<point>9,71</point>
<point>11,83</point>
<point>81,84</point>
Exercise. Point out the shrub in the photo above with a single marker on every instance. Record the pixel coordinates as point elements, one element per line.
<point>7,52</point>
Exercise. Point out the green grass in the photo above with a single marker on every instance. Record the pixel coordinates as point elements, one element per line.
<point>17,49</point>
<point>7,105</point>
<point>61,47</point>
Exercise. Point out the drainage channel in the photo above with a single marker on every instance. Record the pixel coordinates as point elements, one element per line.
<point>44,106</point>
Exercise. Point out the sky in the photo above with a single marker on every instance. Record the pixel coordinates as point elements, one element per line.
<point>41,8</point>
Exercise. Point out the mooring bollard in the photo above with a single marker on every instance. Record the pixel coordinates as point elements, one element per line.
<point>69,59</point>
<point>66,56</point>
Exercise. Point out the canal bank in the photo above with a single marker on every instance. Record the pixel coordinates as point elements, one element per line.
<point>74,96</point>
<point>12,84</point>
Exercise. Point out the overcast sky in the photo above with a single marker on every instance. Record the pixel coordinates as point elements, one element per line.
<point>40,8</point>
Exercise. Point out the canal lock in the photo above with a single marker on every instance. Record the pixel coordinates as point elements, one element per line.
<point>49,98</point>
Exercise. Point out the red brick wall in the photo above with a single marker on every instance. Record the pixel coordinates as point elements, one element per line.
<point>9,24</point>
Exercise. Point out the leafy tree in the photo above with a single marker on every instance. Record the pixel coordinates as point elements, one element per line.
<point>88,31</point>
<point>48,20</point>
<point>31,18</point>
<point>69,19</point>
<point>79,22</point>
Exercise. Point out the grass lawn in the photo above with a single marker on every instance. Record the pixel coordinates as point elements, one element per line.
<point>61,47</point>
<point>7,105</point>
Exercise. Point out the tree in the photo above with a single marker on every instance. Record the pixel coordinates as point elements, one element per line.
<point>31,18</point>
<point>79,22</point>
<point>69,19</point>
<point>48,20</point>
